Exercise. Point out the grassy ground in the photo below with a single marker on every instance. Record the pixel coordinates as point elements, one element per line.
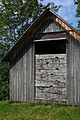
<point>38,111</point>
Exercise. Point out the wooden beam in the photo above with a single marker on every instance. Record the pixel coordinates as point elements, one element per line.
<point>49,33</point>
<point>55,100</point>
<point>68,29</point>
<point>49,39</point>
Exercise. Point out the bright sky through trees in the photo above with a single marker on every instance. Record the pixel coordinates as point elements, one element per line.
<point>67,11</point>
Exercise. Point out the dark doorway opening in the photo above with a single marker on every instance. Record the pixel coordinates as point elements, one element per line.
<point>50,47</point>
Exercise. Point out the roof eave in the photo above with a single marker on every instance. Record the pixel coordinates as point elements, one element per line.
<point>5,58</point>
<point>26,33</point>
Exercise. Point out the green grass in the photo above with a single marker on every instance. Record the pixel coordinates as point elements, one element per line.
<point>38,111</point>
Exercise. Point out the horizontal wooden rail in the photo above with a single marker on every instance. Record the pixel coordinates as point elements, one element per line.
<point>55,100</point>
<point>49,39</point>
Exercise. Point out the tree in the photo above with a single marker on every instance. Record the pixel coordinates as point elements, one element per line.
<point>4,81</point>
<point>15,17</point>
<point>77,2</point>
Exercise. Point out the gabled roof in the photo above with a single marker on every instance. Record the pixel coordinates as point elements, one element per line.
<point>28,32</point>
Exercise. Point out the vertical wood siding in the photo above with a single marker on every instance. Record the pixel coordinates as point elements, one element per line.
<point>73,70</point>
<point>50,25</point>
<point>22,67</point>
<point>21,76</point>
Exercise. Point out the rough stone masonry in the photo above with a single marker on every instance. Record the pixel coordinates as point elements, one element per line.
<point>50,80</point>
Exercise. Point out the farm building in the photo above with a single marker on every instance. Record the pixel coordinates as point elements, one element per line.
<point>45,62</point>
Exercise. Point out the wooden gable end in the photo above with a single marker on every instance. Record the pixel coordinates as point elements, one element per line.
<point>48,23</point>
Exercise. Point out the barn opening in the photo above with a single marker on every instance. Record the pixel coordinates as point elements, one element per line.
<point>50,47</point>
<point>50,70</point>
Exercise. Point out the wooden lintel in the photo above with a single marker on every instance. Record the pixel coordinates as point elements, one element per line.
<point>50,33</point>
<point>49,39</point>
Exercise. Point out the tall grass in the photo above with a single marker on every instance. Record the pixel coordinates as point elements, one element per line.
<point>38,111</point>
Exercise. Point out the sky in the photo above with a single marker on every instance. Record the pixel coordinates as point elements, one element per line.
<point>67,11</point>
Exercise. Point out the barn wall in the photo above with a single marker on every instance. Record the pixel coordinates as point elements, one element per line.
<point>21,75</point>
<point>73,60</point>
<point>50,25</point>
<point>73,70</point>
<point>22,67</point>
<point>49,86</point>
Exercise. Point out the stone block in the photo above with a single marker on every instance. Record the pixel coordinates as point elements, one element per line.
<point>50,76</point>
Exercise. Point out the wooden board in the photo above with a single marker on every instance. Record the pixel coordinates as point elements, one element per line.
<point>22,75</point>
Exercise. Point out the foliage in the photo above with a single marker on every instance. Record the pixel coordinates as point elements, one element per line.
<point>38,111</point>
<point>16,16</point>
<point>77,2</point>
<point>4,85</point>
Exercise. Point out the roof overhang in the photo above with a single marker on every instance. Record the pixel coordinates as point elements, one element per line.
<point>29,32</point>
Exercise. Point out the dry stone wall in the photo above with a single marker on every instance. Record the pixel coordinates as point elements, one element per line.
<point>50,77</point>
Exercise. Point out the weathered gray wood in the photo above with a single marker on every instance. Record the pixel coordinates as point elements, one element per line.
<point>22,79</point>
<point>57,81</point>
<point>73,70</point>
<point>69,70</point>
<point>49,39</point>
<point>50,25</point>
<point>21,75</point>
<point>76,71</point>
<point>33,74</point>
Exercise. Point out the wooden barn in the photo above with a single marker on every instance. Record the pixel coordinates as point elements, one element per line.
<point>45,62</point>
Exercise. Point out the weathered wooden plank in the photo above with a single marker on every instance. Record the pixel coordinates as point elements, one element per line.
<point>19,80</point>
<point>67,27</point>
<point>68,68</point>
<point>21,76</point>
<point>25,81</point>
<point>76,71</point>
<point>73,70</point>
<point>49,39</point>
<point>11,84</point>
<point>50,25</point>
<point>32,73</point>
